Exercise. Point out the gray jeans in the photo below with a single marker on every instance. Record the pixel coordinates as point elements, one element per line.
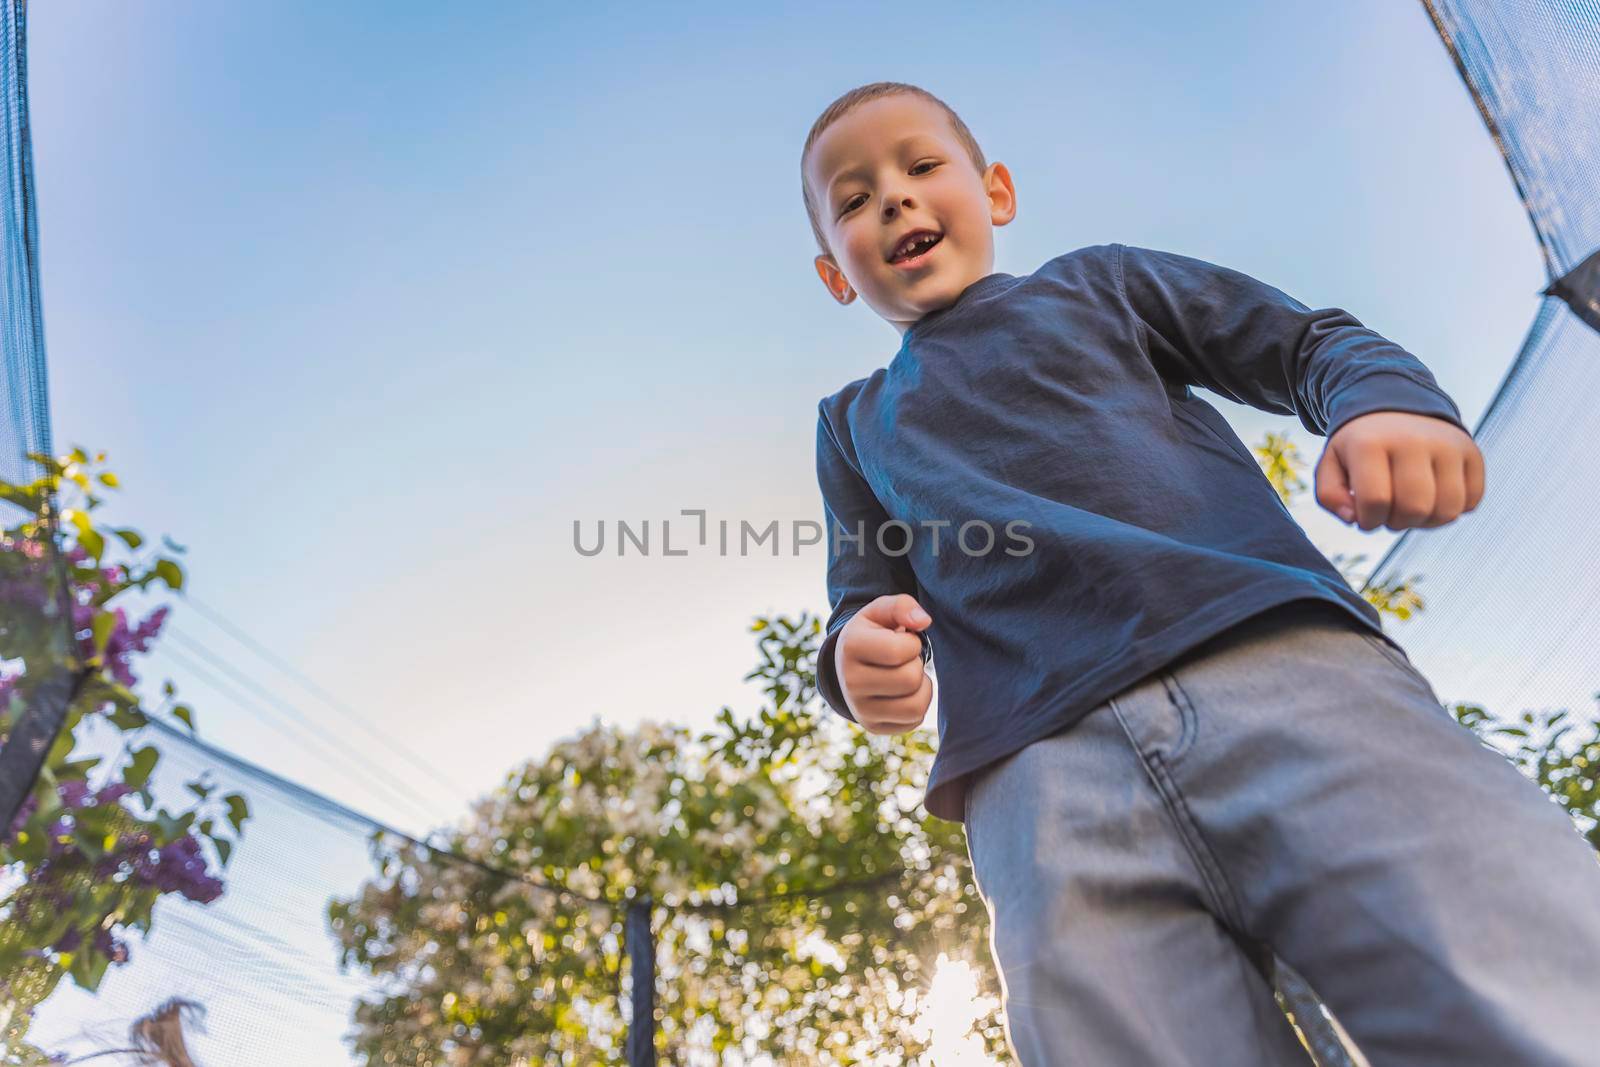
<point>1293,786</point>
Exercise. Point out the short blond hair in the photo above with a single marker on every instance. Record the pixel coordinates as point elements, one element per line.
<point>848,103</point>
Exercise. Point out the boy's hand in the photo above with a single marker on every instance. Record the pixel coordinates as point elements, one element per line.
<point>878,658</point>
<point>1401,470</point>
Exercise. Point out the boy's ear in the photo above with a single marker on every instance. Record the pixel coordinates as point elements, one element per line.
<point>1002,194</point>
<point>832,277</point>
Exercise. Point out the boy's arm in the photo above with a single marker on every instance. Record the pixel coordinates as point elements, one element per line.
<point>858,571</point>
<point>1211,326</point>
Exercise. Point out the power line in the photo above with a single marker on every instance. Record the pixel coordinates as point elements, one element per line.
<point>236,632</point>
<point>317,799</point>
<point>313,799</point>
<point>333,749</point>
<point>261,690</point>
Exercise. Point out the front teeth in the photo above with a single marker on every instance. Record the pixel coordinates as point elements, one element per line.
<point>920,244</point>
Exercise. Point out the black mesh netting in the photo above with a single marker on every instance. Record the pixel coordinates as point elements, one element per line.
<point>1510,589</point>
<point>36,682</point>
<point>1509,623</point>
<point>26,425</point>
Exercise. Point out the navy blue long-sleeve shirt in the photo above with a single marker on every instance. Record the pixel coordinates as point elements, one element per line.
<point>1126,522</point>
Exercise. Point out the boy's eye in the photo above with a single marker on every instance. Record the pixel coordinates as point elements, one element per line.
<point>860,198</point>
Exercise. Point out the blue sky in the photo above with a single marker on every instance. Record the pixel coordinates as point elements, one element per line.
<point>369,303</point>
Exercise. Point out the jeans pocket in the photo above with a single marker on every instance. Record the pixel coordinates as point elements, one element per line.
<point>1187,718</point>
<point>1157,716</point>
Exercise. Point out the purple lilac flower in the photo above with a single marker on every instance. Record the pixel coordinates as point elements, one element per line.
<point>179,867</point>
<point>124,641</point>
<point>74,793</point>
<point>113,793</point>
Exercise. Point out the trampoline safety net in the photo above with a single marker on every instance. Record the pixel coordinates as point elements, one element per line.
<point>244,967</point>
<point>1510,589</point>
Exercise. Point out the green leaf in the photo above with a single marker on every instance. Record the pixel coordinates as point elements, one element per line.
<point>201,791</point>
<point>238,811</point>
<point>169,572</point>
<point>144,761</point>
<point>173,827</point>
<point>132,538</point>
<point>127,718</point>
<point>104,623</point>
<point>98,820</point>
<point>224,848</point>
<point>77,770</point>
<point>61,748</point>
<point>89,967</point>
<point>90,843</point>
<point>186,714</point>
<point>92,543</point>
<point>139,909</point>
<point>29,847</point>
<point>116,691</point>
<point>49,801</point>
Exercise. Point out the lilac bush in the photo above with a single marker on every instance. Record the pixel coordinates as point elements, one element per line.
<point>89,853</point>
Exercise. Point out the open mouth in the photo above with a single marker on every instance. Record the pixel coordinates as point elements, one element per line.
<point>914,246</point>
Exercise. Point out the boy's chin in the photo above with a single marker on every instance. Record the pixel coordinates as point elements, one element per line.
<point>936,292</point>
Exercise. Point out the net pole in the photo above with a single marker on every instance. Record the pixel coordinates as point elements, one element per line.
<point>642,960</point>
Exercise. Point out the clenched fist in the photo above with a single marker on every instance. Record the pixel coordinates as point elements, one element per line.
<point>1401,470</point>
<point>878,659</point>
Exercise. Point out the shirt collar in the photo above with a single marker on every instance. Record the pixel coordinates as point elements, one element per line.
<point>988,283</point>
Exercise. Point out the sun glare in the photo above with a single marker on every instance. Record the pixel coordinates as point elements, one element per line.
<point>949,1010</point>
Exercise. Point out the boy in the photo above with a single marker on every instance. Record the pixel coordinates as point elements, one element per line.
<point>1179,742</point>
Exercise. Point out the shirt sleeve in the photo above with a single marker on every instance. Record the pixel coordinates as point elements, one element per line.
<point>1207,325</point>
<point>859,570</point>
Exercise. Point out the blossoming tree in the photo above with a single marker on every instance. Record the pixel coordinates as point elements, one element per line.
<point>802,894</point>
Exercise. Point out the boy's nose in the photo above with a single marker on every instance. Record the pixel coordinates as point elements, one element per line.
<point>892,205</point>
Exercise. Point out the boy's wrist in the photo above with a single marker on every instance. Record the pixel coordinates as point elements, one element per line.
<point>838,674</point>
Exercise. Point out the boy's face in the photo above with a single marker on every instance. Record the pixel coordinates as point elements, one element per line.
<point>889,169</point>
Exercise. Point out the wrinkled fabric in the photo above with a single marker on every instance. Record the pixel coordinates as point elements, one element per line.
<point>1035,468</point>
<point>1275,795</point>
